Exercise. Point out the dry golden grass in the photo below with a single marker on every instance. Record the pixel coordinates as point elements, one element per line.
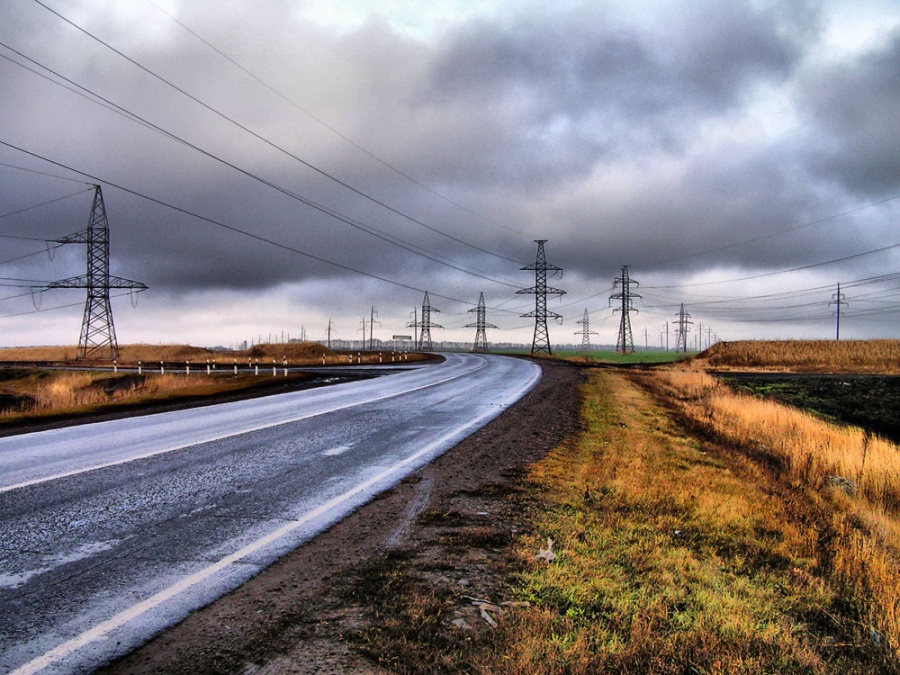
<point>857,476</point>
<point>856,356</point>
<point>31,354</point>
<point>131,354</point>
<point>43,393</point>
<point>68,390</point>
<point>296,353</point>
<point>676,556</point>
<point>812,450</point>
<point>26,392</point>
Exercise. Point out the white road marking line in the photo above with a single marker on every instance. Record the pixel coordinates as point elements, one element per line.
<point>339,450</point>
<point>101,630</point>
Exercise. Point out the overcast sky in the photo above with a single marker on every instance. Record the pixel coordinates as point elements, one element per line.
<point>270,165</point>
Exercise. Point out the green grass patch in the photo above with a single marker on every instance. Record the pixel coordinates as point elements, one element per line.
<point>608,356</point>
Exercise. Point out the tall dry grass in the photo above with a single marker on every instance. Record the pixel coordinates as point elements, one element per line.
<point>174,353</point>
<point>859,475</point>
<point>62,391</point>
<point>812,450</point>
<point>676,555</point>
<point>870,356</point>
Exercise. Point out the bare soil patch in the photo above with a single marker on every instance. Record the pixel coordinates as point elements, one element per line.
<point>404,583</point>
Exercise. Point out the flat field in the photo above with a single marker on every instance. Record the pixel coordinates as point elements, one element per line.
<point>47,385</point>
<point>609,356</point>
<point>869,402</point>
<point>805,356</point>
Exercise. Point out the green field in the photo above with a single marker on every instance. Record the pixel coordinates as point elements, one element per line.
<point>608,356</point>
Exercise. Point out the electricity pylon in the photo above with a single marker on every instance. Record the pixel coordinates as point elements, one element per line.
<point>585,332</point>
<point>540,290</point>
<point>681,330</point>
<point>98,333</point>
<point>625,340</point>
<point>372,322</point>
<point>481,344</point>
<point>837,299</point>
<point>425,325</point>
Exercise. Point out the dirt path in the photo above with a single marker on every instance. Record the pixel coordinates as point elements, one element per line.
<point>439,537</point>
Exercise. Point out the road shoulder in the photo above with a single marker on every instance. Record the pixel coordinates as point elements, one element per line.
<point>326,606</point>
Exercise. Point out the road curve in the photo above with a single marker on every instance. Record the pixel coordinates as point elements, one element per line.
<point>112,531</point>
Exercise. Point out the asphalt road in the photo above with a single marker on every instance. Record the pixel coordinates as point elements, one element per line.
<point>113,531</point>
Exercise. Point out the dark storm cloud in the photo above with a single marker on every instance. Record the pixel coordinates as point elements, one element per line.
<point>623,135</point>
<point>855,113</point>
<point>563,91</point>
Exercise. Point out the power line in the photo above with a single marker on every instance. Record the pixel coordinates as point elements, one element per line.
<point>31,208</point>
<point>265,140</point>
<point>230,228</point>
<point>368,229</point>
<point>22,168</point>
<point>771,235</point>
<point>330,128</point>
<point>786,271</point>
<point>53,309</point>
<point>27,255</point>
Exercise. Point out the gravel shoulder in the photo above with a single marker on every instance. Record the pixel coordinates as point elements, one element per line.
<point>327,607</point>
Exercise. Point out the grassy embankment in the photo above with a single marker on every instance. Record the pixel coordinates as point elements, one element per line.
<point>29,392</point>
<point>817,356</point>
<point>747,537</point>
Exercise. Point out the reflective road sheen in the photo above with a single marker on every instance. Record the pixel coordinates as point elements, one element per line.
<point>110,532</point>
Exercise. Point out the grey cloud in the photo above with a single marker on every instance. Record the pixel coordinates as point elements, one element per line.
<point>854,109</point>
<point>608,88</point>
<point>575,126</point>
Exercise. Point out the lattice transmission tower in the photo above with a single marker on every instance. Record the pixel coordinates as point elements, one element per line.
<point>425,325</point>
<point>98,332</point>
<point>624,340</point>
<point>480,326</point>
<point>585,332</point>
<point>540,290</point>
<point>681,330</point>
<point>838,300</point>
